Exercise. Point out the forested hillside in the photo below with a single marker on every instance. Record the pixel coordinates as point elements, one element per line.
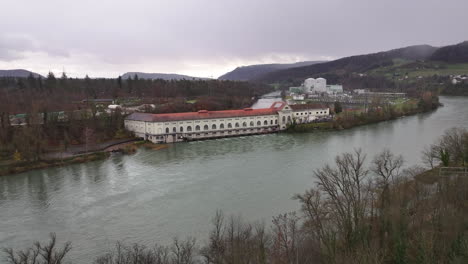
<point>409,69</point>
<point>252,72</point>
<point>163,76</point>
<point>452,54</point>
<point>18,73</point>
<point>360,63</point>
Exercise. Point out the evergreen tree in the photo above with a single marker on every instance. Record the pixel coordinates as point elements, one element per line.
<point>31,81</point>
<point>338,107</point>
<point>119,81</point>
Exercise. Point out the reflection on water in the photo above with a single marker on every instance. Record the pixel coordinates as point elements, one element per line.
<point>156,195</point>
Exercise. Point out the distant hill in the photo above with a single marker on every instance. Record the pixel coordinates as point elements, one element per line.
<point>453,54</point>
<point>246,73</point>
<point>18,73</point>
<point>360,63</point>
<point>164,76</point>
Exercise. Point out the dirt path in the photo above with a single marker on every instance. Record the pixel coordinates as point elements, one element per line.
<point>82,149</point>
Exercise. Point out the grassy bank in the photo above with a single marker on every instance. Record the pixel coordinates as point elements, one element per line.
<point>12,167</point>
<point>133,147</point>
<point>23,166</point>
<point>352,118</point>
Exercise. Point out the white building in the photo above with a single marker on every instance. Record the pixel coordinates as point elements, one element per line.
<point>320,86</point>
<point>317,86</point>
<point>298,97</point>
<point>176,127</point>
<point>308,85</point>
<point>334,89</point>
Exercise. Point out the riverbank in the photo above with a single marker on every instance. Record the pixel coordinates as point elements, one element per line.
<point>23,166</point>
<point>59,159</point>
<point>352,118</point>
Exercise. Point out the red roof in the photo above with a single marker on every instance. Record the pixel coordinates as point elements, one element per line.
<point>202,114</point>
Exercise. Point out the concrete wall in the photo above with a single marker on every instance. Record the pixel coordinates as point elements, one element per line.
<point>309,115</point>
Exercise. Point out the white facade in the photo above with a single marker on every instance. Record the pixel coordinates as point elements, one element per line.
<point>308,85</point>
<point>334,89</point>
<point>203,128</point>
<point>320,86</point>
<point>309,115</point>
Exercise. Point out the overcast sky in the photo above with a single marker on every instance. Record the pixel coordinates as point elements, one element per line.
<point>105,38</point>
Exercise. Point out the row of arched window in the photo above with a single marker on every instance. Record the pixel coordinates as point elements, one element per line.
<point>214,127</point>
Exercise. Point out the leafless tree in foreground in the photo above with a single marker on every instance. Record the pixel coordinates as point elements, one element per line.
<point>39,254</point>
<point>181,252</point>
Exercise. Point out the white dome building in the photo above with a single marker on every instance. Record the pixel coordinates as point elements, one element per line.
<point>309,85</point>
<point>320,85</point>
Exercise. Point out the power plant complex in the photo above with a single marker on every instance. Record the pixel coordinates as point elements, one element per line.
<point>178,127</point>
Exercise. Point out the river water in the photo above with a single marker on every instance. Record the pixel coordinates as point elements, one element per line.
<point>153,196</point>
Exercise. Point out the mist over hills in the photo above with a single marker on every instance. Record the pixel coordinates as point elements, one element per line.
<point>19,73</point>
<point>363,63</point>
<point>251,72</point>
<point>164,76</point>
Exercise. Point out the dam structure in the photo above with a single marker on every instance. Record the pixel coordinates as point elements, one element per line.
<point>204,124</point>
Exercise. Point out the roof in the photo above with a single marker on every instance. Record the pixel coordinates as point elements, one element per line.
<point>204,114</point>
<point>297,107</point>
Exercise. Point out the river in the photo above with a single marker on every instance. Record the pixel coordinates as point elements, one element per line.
<point>153,196</point>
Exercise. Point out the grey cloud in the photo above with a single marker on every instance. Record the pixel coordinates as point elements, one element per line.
<point>124,32</point>
<point>14,47</point>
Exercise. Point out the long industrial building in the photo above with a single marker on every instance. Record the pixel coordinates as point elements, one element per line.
<point>177,127</point>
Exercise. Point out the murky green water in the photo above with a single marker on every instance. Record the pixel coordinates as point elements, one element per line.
<point>156,195</point>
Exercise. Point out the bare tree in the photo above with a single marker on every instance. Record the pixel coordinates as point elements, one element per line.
<point>183,251</point>
<point>39,254</point>
<point>286,238</point>
<point>430,155</point>
<point>387,166</point>
<point>234,241</point>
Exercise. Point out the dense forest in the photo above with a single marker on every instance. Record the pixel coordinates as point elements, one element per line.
<point>59,112</point>
<point>361,210</point>
<point>23,95</point>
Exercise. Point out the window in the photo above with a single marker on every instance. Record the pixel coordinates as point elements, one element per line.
<point>252,123</point>
<point>244,124</point>
<point>229,125</point>
<point>265,123</point>
<point>197,128</point>
<point>221,126</point>
<point>189,129</point>
<point>271,122</point>
<point>181,129</point>
<point>284,119</point>
<point>237,124</point>
<point>174,129</point>
<point>276,122</point>
<point>205,127</point>
<point>213,126</point>
<point>167,130</point>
